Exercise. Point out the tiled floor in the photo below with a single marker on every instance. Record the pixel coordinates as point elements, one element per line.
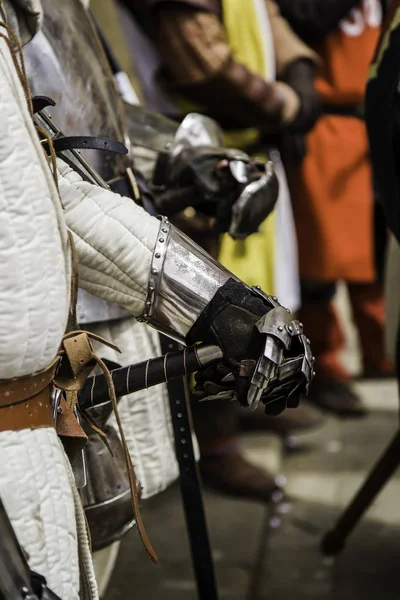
<point>273,554</point>
<point>255,561</point>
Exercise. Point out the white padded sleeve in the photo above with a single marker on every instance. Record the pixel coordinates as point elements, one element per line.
<point>114,239</point>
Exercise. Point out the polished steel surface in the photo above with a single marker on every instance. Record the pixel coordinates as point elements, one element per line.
<point>106,497</point>
<point>184,278</point>
<point>197,130</point>
<point>65,61</point>
<point>255,203</point>
<point>274,365</point>
<point>150,134</point>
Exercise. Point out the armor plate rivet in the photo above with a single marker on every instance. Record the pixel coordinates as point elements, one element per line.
<point>148,303</point>
<point>164,230</point>
<point>158,255</point>
<point>258,287</point>
<point>274,298</point>
<point>154,271</point>
<point>280,328</point>
<point>161,240</point>
<point>307,341</point>
<point>145,316</point>
<point>313,373</point>
<point>151,288</point>
<point>290,328</point>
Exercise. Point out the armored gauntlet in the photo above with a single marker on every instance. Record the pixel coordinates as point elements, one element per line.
<point>196,170</point>
<point>193,298</point>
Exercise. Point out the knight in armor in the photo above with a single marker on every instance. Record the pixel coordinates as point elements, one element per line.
<point>181,163</point>
<point>127,257</point>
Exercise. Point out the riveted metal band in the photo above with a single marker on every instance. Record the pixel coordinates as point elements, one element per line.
<point>157,263</point>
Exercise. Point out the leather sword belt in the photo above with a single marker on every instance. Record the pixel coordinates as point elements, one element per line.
<point>25,402</point>
<point>344,110</point>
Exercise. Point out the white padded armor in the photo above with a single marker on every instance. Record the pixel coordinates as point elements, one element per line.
<point>35,481</point>
<point>114,239</point>
<point>34,266</point>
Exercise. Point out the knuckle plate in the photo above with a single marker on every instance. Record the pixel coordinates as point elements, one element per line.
<point>277,323</point>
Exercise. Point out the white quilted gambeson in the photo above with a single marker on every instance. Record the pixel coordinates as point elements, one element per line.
<point>114,238</point>
<point>145,414</point>
<point>34,266</point>
<point>36,491</point>
<point>35,482</point>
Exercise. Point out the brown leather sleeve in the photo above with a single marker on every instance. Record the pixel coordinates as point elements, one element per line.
<point>213,6</point>
<point>288,46</point>
<point>199,64</point>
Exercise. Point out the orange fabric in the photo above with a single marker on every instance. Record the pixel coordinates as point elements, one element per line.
<point>347,53</point>
<point>324,328</point>
<point>333,186</point>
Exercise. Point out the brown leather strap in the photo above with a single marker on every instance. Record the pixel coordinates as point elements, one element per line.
<point>17,390</point>
<point>69,431</point>
<point>31,413</point>
<point>25,402</point>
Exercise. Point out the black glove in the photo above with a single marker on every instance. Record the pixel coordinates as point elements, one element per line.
<point>235,321</point>
<point>300,75</point>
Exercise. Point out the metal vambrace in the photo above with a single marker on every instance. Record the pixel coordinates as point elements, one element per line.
<point>183,279</point>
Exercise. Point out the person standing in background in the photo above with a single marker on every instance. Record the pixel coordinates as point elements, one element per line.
<point>218,58</point>
<point>222,58</point>
<point>333,196</point>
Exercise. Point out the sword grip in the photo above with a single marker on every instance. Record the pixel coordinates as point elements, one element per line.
<point>148,373</point>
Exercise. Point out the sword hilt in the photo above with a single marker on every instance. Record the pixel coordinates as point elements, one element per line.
<point>148,373</point>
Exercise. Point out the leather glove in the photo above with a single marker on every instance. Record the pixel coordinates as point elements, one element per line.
<point>266,355</point>
<point>239,192</point>
<point>300,75</point>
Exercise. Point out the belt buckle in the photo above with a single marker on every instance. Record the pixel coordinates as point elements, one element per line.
<point>56,396</point>
<point>79,464</point>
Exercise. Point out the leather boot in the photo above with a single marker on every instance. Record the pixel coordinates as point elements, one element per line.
<point>233,475</point>
<point>292,421</point>
<point>339,398</point>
